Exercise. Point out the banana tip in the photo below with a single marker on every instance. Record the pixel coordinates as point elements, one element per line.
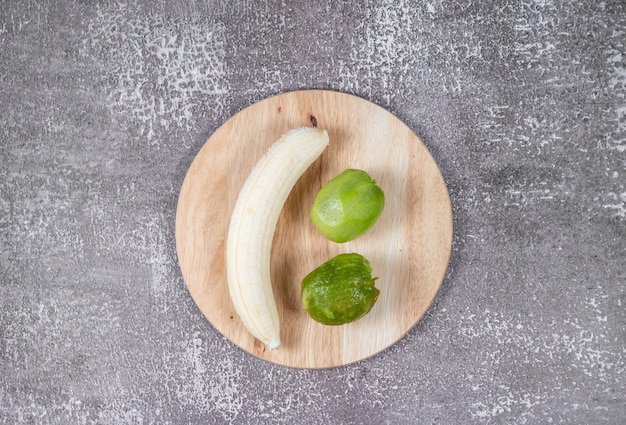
<point>273,345</point>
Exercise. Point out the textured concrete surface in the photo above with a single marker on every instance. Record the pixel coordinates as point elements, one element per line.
<point>103,105</point>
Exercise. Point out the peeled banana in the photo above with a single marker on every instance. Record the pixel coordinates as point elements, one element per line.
<point>252,227</point>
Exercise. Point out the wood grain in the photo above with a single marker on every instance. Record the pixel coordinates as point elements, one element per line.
<point>409,247</point>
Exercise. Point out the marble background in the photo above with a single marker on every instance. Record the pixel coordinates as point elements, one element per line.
<point>104,104</point>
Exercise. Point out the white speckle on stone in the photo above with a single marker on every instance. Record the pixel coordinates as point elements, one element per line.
<point>505,404</point>
<point>214,387</point>
<point>164,71</point>
<point>159,258</point>
<point>385,46</point>
<point>575,347</point>
<point>618,204</point>
<point>617,85</point>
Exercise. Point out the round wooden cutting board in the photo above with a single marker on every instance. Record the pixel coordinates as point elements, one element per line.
<point>408,248</point>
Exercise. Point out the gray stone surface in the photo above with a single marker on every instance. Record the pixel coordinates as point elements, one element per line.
<point>104,104</point>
